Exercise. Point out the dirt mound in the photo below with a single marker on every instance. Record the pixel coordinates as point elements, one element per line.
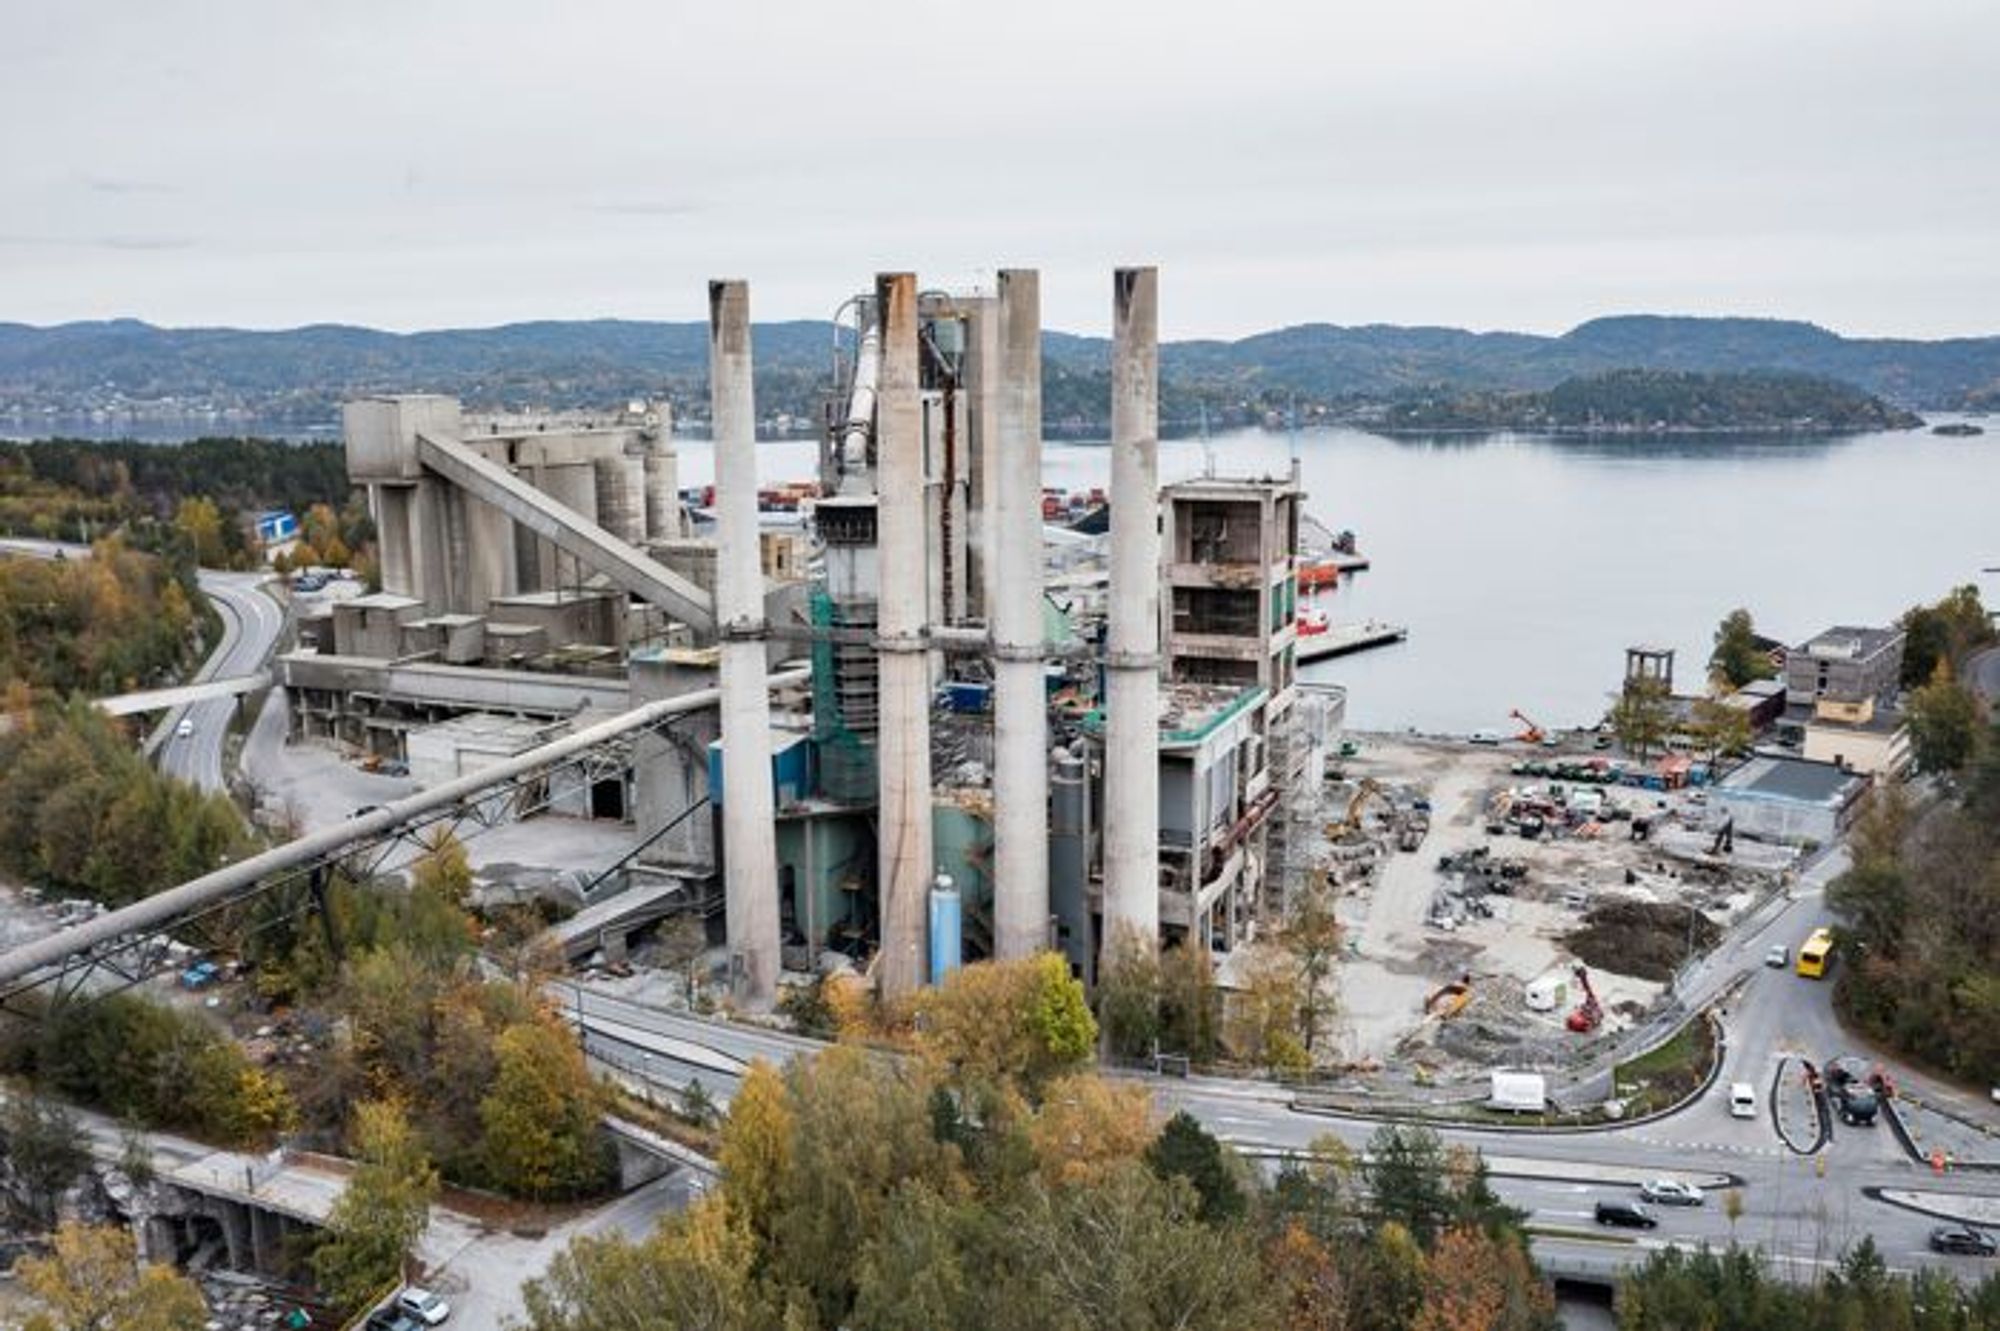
<point>1644,939</point>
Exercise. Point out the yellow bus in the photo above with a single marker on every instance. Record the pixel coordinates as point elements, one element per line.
<point>1815,952</point>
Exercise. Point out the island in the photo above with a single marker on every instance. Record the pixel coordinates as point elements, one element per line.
<point>1661,402</point>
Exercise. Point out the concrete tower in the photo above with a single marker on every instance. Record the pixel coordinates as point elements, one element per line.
<point>1020,709</point>
<point>903,745</point>
<point>749,845</point>
<point>1132,660</point>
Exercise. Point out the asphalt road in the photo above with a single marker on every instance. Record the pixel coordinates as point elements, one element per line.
<point>1983,673</point>
<point>1802,1210</point>
<point>251,623</point>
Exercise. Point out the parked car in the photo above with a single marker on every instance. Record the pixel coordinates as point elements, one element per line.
<point>1778,957</point>
<point>1627,1215</point>
<point>1963,1240</point>
<point>427,1306</point>
<point>392,1319</point>
<point>1671,1192</point>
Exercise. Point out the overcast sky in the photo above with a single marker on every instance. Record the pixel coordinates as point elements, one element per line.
<point>1485,163</point>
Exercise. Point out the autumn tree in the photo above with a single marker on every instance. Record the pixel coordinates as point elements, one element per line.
<point>1021,1022</point>
<point>377,1219</point>
<point>1190,1004</point>
<point>757,1149</point>
<point>1311,936</point>
<point>92,1280</point>
<point>1086,1123</point>
<point>693,1273</point>
<point>541,1115</point>
<point>1737,658</point>
<point>1476,1282</point>
<point>199,523</point>
<point>1943,633</point>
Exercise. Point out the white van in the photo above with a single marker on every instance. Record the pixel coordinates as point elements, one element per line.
<point>1742,1100</point>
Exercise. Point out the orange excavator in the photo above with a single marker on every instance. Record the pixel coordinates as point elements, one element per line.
<point>1530,732</point>
<point>1589,1014</point>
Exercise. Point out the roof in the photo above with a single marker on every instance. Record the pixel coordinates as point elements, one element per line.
<point>1795,780</point>
<point>380,601</point>
<point>1847,642</point>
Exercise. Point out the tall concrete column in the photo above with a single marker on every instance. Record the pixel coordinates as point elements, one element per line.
<point>903,745</point>
<point>663,496</point>
<point>1020,707</point>
<point>982,391</point>
<point>1132,660</point>
<point>749,836</point>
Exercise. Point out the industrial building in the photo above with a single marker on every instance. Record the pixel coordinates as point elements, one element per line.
<point>976,768</point>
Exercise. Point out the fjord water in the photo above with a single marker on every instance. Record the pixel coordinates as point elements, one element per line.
<point>1524,565</point>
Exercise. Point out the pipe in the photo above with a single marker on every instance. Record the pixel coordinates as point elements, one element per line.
<point>1132,658</point>
<point>859,427</point>
<point>749,838</point>
<point>1020,705</point>
<point>238,879</point>
<point>903,744</point>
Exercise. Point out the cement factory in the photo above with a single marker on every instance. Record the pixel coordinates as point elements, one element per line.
<point>933,730</point>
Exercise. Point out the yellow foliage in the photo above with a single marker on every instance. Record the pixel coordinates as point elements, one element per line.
<point>1088,1123</point>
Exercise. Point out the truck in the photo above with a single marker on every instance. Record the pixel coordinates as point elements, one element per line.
<point>1518,1092</point>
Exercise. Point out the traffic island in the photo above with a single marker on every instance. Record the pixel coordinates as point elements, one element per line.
<point>1798,1106</point>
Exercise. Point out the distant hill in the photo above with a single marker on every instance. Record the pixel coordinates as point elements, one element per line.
<point>1669,401</point>
<point>1322,370</point>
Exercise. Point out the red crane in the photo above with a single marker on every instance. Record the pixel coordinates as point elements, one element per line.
<point>1589,1014</point>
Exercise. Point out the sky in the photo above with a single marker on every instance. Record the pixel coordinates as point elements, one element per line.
<point>1522,164</point>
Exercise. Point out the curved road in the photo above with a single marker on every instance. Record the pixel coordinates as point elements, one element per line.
<point>251,622</point>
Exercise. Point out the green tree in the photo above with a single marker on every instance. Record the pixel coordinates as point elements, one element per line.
<point>1406,1173</point>
<point>1190,1005</point>
<point>541,1116</point>
<point>42,1153</point>
<point>1946,633</point>
<point>1128,993</point>
<point>1184,1149</point>
<point>1642,717</point>
<point>92,1280</point>
<point>376,1221</point>
<point>1719,728</point>
<point>1018,1023</point>
<point>1737,659</point>
<point>1945,721</point>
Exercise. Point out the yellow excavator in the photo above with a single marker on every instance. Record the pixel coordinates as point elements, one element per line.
<point>1447,1001</point>
<point>1369,789</point>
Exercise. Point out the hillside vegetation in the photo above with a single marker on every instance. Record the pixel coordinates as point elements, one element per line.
<point>301,375</point>
<point>1663,401</point>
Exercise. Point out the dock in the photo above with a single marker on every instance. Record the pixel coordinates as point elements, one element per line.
<point>1342,639</point>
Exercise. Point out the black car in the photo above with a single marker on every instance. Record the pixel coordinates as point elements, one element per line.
<point>1961,1239</point>
<point>1627,1215</point>
<point>392,1319</point>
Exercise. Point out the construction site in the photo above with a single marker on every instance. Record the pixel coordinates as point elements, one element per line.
<point>1519,902</point>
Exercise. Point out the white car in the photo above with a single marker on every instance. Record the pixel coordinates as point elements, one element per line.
<point>185,728</point>
<point>1671,1192</point>
<point>425,1305</point>
<point>1778,957</point>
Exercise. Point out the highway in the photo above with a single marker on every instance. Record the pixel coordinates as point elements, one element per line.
<point>251,623</point>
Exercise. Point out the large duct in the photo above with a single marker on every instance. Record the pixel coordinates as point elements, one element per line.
<point>982,389</point>
<point>749,845</point>
<point>1020,705</point>
<point>662,471</point>
<point>1132,657</point>
<point>903,744</point>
